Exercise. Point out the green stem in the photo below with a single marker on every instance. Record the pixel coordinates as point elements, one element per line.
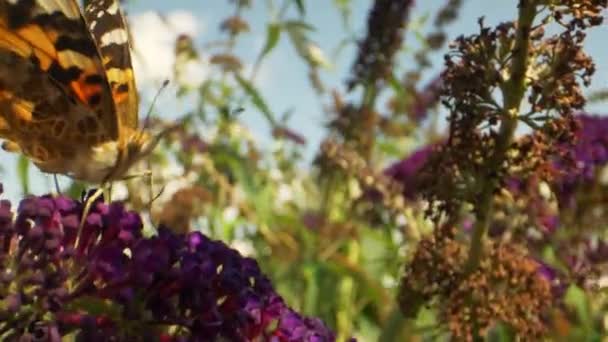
<point>347,288</point>
<point>394,327</point>
<point>513,93</point>
<point>258,61</point>
<point>367,118</point>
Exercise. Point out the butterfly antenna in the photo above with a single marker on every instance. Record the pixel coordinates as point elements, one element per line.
<point>160,90</point>
<point>57,187</point>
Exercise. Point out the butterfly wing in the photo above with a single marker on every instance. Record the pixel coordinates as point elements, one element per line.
<point>55,97</point>
<point>109,29</point>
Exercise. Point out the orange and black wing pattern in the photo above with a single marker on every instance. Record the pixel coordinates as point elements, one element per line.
<point>110,31</point>
<point>55,95</point>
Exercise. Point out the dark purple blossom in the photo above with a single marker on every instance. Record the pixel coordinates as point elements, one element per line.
<point>407,171</point>
<point>589,153</point>
<point>558,286</point>
<point>108,282</point>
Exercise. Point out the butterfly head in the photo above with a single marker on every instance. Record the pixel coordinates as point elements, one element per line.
<point>138,144</point>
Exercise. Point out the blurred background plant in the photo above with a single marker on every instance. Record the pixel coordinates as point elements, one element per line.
<point>483,229</point>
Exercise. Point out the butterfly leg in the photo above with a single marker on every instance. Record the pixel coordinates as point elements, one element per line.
<point>152,197</point>
<point>87,208</point>
<point>110,192</point>
<point>57,187</point>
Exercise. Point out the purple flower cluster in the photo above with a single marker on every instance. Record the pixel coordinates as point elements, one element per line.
<point>109,282</point>
<point>589,153</point>
<point>407,171</point>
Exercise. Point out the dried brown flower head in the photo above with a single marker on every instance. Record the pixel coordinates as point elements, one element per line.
<point>184,47</point>
<point>339,157</point>
<point>234,25</point>
<point>578,13</point>
<point>185,205</point>
<point>435,269</point>
<point>355,125</point>
<point>228,62</point>
<point>488,68</point>
<point>506,288</point>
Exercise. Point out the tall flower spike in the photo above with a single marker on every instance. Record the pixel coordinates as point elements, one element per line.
<point>385,24</point>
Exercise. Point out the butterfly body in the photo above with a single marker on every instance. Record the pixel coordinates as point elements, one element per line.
<point>68,99</point>
<point>102,162</point>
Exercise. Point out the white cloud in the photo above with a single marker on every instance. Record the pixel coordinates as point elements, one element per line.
<point>182,21</point>
<point>193,73</point>
<point>154,38</point>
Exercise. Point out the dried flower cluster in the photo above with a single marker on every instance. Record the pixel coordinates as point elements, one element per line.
<point>506,60</point>
<point>492,183</point>
<point>228,62</point>
<point>434,271</point>
<point>336,156</point>
<point>507,288</point>
<point>569,216</point>
<point>185,204</point>
<point>565,211</point>
<point>354,125</point>
<point>235,25</point>
<point>108,282</point>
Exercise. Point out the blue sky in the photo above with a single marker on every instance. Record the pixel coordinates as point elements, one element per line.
<point>283,79</point>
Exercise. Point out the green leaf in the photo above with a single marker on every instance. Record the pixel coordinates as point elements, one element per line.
<point>273,33</point>
<point>500,333</point>
<point>576,299</point>
<point>301,8</point>
<point>311,278</point>
<point>75,189</point>
<point>298,25</point>
<point>23,167</point>
<point>256,98</point>
<point>344,7</point>
<point>95,306</point>
<point>313,55</point>
<point>342,4</point>
<point>396,85</point>
<point>598,96</point>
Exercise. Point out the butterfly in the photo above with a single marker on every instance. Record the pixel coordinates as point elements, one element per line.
<point>68,99</point>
